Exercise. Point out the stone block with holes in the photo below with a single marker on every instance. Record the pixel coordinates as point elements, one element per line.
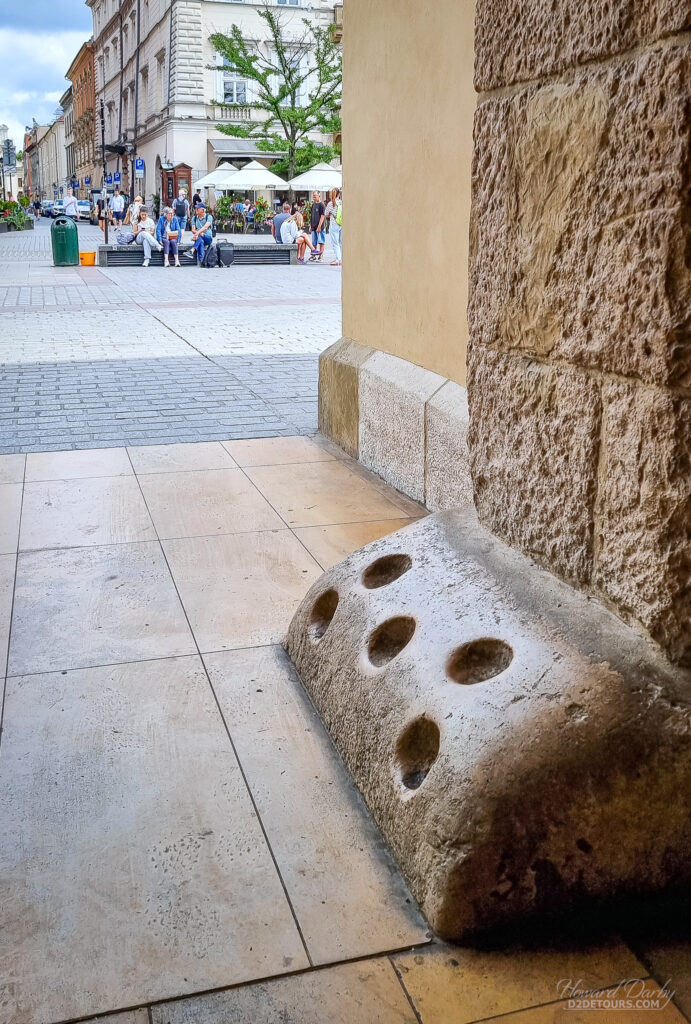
<point>521,749</point>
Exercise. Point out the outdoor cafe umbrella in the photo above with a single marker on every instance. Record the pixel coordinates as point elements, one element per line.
<point>255,177</point>
<point>321,178</point>
<point>219,178</point>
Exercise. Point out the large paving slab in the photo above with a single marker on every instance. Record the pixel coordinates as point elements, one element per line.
<point>332,858</point>
<point>240,590</point>
<point>95,606</point>
<point>362,993</point>
<point>141,870</point>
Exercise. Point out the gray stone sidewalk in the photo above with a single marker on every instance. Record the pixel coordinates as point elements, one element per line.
<point>92,358</point>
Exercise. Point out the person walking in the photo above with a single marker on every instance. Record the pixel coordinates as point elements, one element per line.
<point>145,234</point>
<point>168,233</point>
<point>181,209</point>
<point>202,233</point>
<point>334,215</point>
<point>37,208</point>
<point>292,231</point>
<point>317,218</point>
<point>70,208</point>
<point>117,208</point>
<point>278,221</point>
<point>102,212</point>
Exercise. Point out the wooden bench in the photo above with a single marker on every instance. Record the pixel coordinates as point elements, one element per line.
<point>133,255</point>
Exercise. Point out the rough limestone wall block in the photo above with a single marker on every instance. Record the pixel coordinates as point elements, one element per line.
<point>339,404</point>
<point>518,40</point>
<point>520,748</point>
<point>448,483</point>
<point>534,443</point>
<point>580,223</point>
<point>643,516</point>
<point>393,395</point>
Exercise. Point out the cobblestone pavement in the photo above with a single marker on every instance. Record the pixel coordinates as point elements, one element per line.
<point>93,357</point>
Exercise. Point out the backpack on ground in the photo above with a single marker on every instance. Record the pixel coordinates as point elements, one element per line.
<point>226,253</point>
<point>180,209</point>
<point>210,257</point>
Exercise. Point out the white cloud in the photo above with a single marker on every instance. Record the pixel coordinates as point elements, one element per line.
<point>33,75</point>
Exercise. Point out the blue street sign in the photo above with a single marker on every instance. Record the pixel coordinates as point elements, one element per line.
<point>87,180</point>
<point>116,177</point>
<point>109,179</point>
<point>139,167</point>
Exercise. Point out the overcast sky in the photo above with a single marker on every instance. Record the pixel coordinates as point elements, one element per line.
<point>38,41</point>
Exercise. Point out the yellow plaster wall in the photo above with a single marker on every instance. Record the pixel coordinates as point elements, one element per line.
<point>408,104</point>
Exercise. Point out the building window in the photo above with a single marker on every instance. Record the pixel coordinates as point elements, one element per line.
<point>234,87</point>
<point>288,3</point>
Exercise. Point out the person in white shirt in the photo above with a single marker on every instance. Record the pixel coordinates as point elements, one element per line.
<point>292,231</point>
<point>71,209</point>
<point>145,234</point>
<point>117,208</point>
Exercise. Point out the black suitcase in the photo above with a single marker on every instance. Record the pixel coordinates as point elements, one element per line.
<point>226,253</point>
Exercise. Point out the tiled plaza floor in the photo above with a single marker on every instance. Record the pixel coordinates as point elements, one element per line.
<point>95,357</point>
<point>180,843</point>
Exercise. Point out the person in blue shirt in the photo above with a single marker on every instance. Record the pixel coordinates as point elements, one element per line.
<point>202,232</point>
<point>168,233</point>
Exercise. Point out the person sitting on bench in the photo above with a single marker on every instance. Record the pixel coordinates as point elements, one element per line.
<point>202,232</point>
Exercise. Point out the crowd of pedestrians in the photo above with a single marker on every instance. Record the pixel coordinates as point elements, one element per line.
<point>168,233</point>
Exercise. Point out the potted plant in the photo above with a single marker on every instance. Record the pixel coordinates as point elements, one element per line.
<point>261,213</point>
<point>224,213</point>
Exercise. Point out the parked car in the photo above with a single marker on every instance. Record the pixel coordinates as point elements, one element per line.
<point>58,207</point>
<point>84,208</point>
<point>46,207</point>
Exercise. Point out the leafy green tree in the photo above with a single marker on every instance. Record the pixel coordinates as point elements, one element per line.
<point>296,85</point>
<point>306,156</point>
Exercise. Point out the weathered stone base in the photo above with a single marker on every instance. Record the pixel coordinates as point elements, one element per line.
<point>521,749</point>
<point>405,423</point>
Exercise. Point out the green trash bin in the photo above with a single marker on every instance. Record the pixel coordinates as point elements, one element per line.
<point>65,243</point>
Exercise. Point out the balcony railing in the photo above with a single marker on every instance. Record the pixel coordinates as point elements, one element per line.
<point>228,112</point>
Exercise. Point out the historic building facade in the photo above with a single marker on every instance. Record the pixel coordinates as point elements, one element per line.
<point>67,105</point>
<point>164,89</point>
<point>81,75</point>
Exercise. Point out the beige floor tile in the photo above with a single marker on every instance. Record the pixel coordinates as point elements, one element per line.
<point>95,606</point>
<point>132,865</point>
<point>77,464</point>
<point>205,503</point>
<point>669,959</point>
<point>321,494</point>
<point>565,1013</point>
<point>331,544</point>
<point>328,849</point>
<point>12,469</point>
<point>7,567</point>
<point>276,451</point>
<point>409,507</point>
<point>242,590</point>
<point>455,985</point>
<point>363,993</point>
<point>328,446</point>
<point>10,509</point>
<point>179,458</point>
<point>72,513</point>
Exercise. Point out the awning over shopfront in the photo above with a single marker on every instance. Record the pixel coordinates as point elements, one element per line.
<point>239,149</point>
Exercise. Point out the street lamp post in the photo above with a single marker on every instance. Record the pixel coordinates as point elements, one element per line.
<point>105,190</point>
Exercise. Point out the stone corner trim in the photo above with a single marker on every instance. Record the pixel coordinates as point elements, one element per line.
<point>405,423</point>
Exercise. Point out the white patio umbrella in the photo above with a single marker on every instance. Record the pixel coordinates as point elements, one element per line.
<point>218,178</point>
<point>255,177</point>
<point>321,177</point>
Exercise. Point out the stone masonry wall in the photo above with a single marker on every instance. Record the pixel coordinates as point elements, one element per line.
<point>579,366</point>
